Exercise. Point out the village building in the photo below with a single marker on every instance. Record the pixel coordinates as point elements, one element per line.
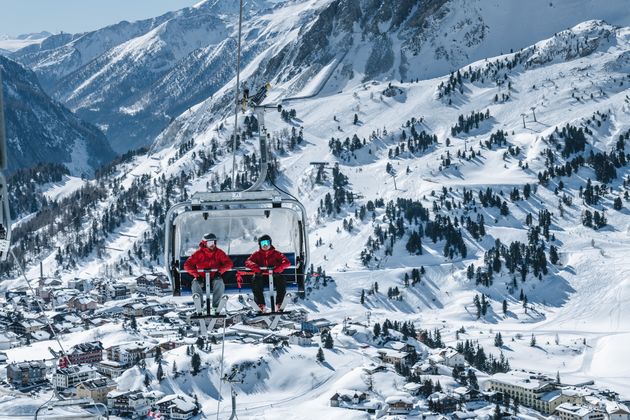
<point>316,325</point>
<point>617,410</point>
<point>82,303</point>
<point>395,357</point>
<point>127,403</point>
<point>176,407</point>
<point>9,340</point>
<point>86,353</point>
<point>570,411</point>
<point>153,284</point>
<point>355,400</point>
<point>532,390</point>
<point>301,338</point>
<point>111,368</point>
<point>401,403</point>
<point>96,389</point>
<point>82,285</point>
<point>26,373</point>
<point>452,358</point>
<point>130,353</point>
<point>70,376</point>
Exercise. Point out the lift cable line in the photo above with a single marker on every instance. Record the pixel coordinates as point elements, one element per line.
<point>237,93</point>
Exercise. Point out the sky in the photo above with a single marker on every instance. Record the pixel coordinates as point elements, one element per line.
<point>27,16</point>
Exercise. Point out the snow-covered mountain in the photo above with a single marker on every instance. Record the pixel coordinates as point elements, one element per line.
<point>507,179</point>
<point>40,130</point>
<point>111,76</point>
<point>9,44</point>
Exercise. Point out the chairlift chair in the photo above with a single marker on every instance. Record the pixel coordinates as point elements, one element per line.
<point>238,219</point>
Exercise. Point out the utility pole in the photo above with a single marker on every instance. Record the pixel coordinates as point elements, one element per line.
<point>368,314</point>
<point>533,108</point>
<point>394,177</point>
<point>230,379</point>
<point>523,115</point>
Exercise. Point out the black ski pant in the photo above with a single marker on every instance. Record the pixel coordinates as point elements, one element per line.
<point>258,287</point>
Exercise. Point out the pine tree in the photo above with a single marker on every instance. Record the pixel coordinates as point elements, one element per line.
<point>498,340</point>
<point>147,380</point>
<point>133,324</point>
<point>329,342</point>
<point>553,254</point>
<point>377,329</point>
<point>497,412</point>
<point>505,306</point>
<point>195,363</point>
<point>477,305</point>
<point>320,355</point>
<point>472,379</point>
<point>470,272</point>
<point>174,368</point>
<point>160,373</point>
<point>532,342</point>
<point>362,296</point>
<point>158,354</point>
<point>200,343</point>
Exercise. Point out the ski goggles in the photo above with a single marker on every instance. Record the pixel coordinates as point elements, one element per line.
<point>265,242</point>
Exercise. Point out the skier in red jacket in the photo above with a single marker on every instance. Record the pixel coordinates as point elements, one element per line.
<point>267,256</point>
<point>208,256</point>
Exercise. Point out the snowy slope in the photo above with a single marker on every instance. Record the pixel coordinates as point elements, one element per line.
<point>582,297</point>
<point>575,77</point>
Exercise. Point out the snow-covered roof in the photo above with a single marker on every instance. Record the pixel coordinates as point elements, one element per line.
<point>449,352</point>
<point>551,396</point>
<point>182,403</point>
<point>412,386</point>
<point>395,345</point>
<point>393,353</point>
<point>522,379</point>
<point>614,407</point>
<point>40,335</point>
<point>399,398</point>
<point>577,410</point>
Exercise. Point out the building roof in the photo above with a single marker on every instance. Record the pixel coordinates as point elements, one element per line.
<point>551,396</point>
<point>97,383</point>
<point>577,410</point>
<point>526,380</point>
<point>86,347</point>
<point>393,353</point>
<point>179,401</point>
<point>75,369</point>
<point>614,407</point>
<point>412,386</point>
<point>399,398</point>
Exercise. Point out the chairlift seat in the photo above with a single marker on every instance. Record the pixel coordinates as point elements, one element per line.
<point>237,219</point>
<point>293,275</point>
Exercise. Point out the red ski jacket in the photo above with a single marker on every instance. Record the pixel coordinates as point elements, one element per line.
<point>269,258</point>
<point>204,258</point>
